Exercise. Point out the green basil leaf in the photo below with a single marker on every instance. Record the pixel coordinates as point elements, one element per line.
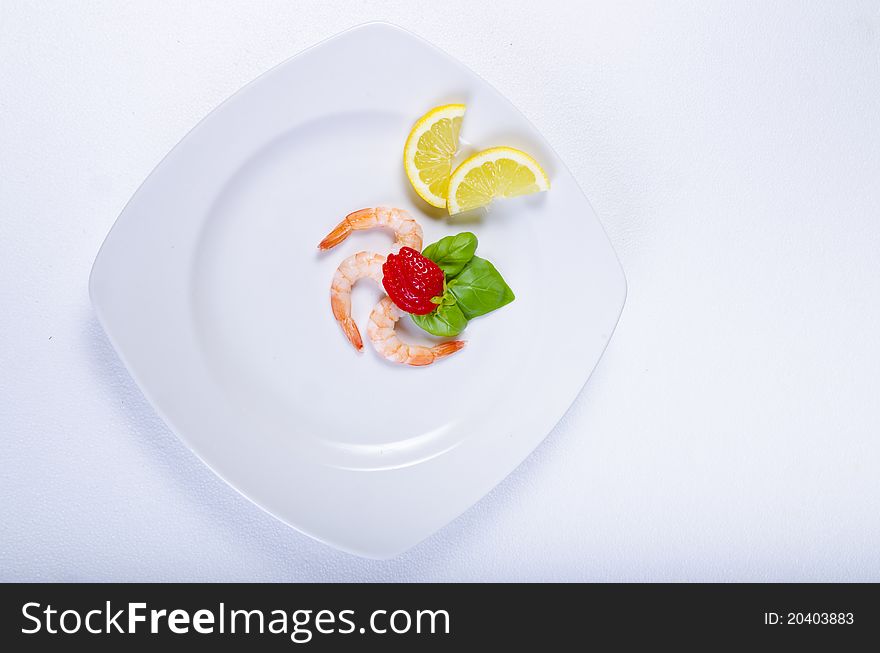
<point>452,253</point>
<point>479,288</point>
<point>446,321</point>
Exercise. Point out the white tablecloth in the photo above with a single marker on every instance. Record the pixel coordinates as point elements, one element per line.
<point>732,430</point>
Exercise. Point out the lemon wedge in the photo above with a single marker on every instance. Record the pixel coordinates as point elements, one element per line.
<point>429,150</point>
<point>498,172</point>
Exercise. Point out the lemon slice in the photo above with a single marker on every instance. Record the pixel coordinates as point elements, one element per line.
<point>494,173</point>
<point>429,149</point>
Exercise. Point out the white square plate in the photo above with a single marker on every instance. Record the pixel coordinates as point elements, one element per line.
<point>211,289</point>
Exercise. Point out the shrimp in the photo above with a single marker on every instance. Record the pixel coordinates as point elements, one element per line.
<point>381,332</point>
<point>407,232</point>
<point>359,266</point>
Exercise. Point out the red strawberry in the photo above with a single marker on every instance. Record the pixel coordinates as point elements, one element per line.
<point>411,280</point>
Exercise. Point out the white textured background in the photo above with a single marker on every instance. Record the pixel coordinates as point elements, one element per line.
<point>732,430</point>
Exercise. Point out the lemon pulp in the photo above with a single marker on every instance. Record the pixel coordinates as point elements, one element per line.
<point>429,151</point>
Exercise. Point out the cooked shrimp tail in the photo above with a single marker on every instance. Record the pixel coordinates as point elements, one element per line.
<point>340,232</point>
<point>447,348</point>
<point>349,328</point>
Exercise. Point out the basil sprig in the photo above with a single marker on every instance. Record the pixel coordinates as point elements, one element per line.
<point>452,253</point>
<point>479,288</point>
<point>446,320</point>
<point>472,286</point>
